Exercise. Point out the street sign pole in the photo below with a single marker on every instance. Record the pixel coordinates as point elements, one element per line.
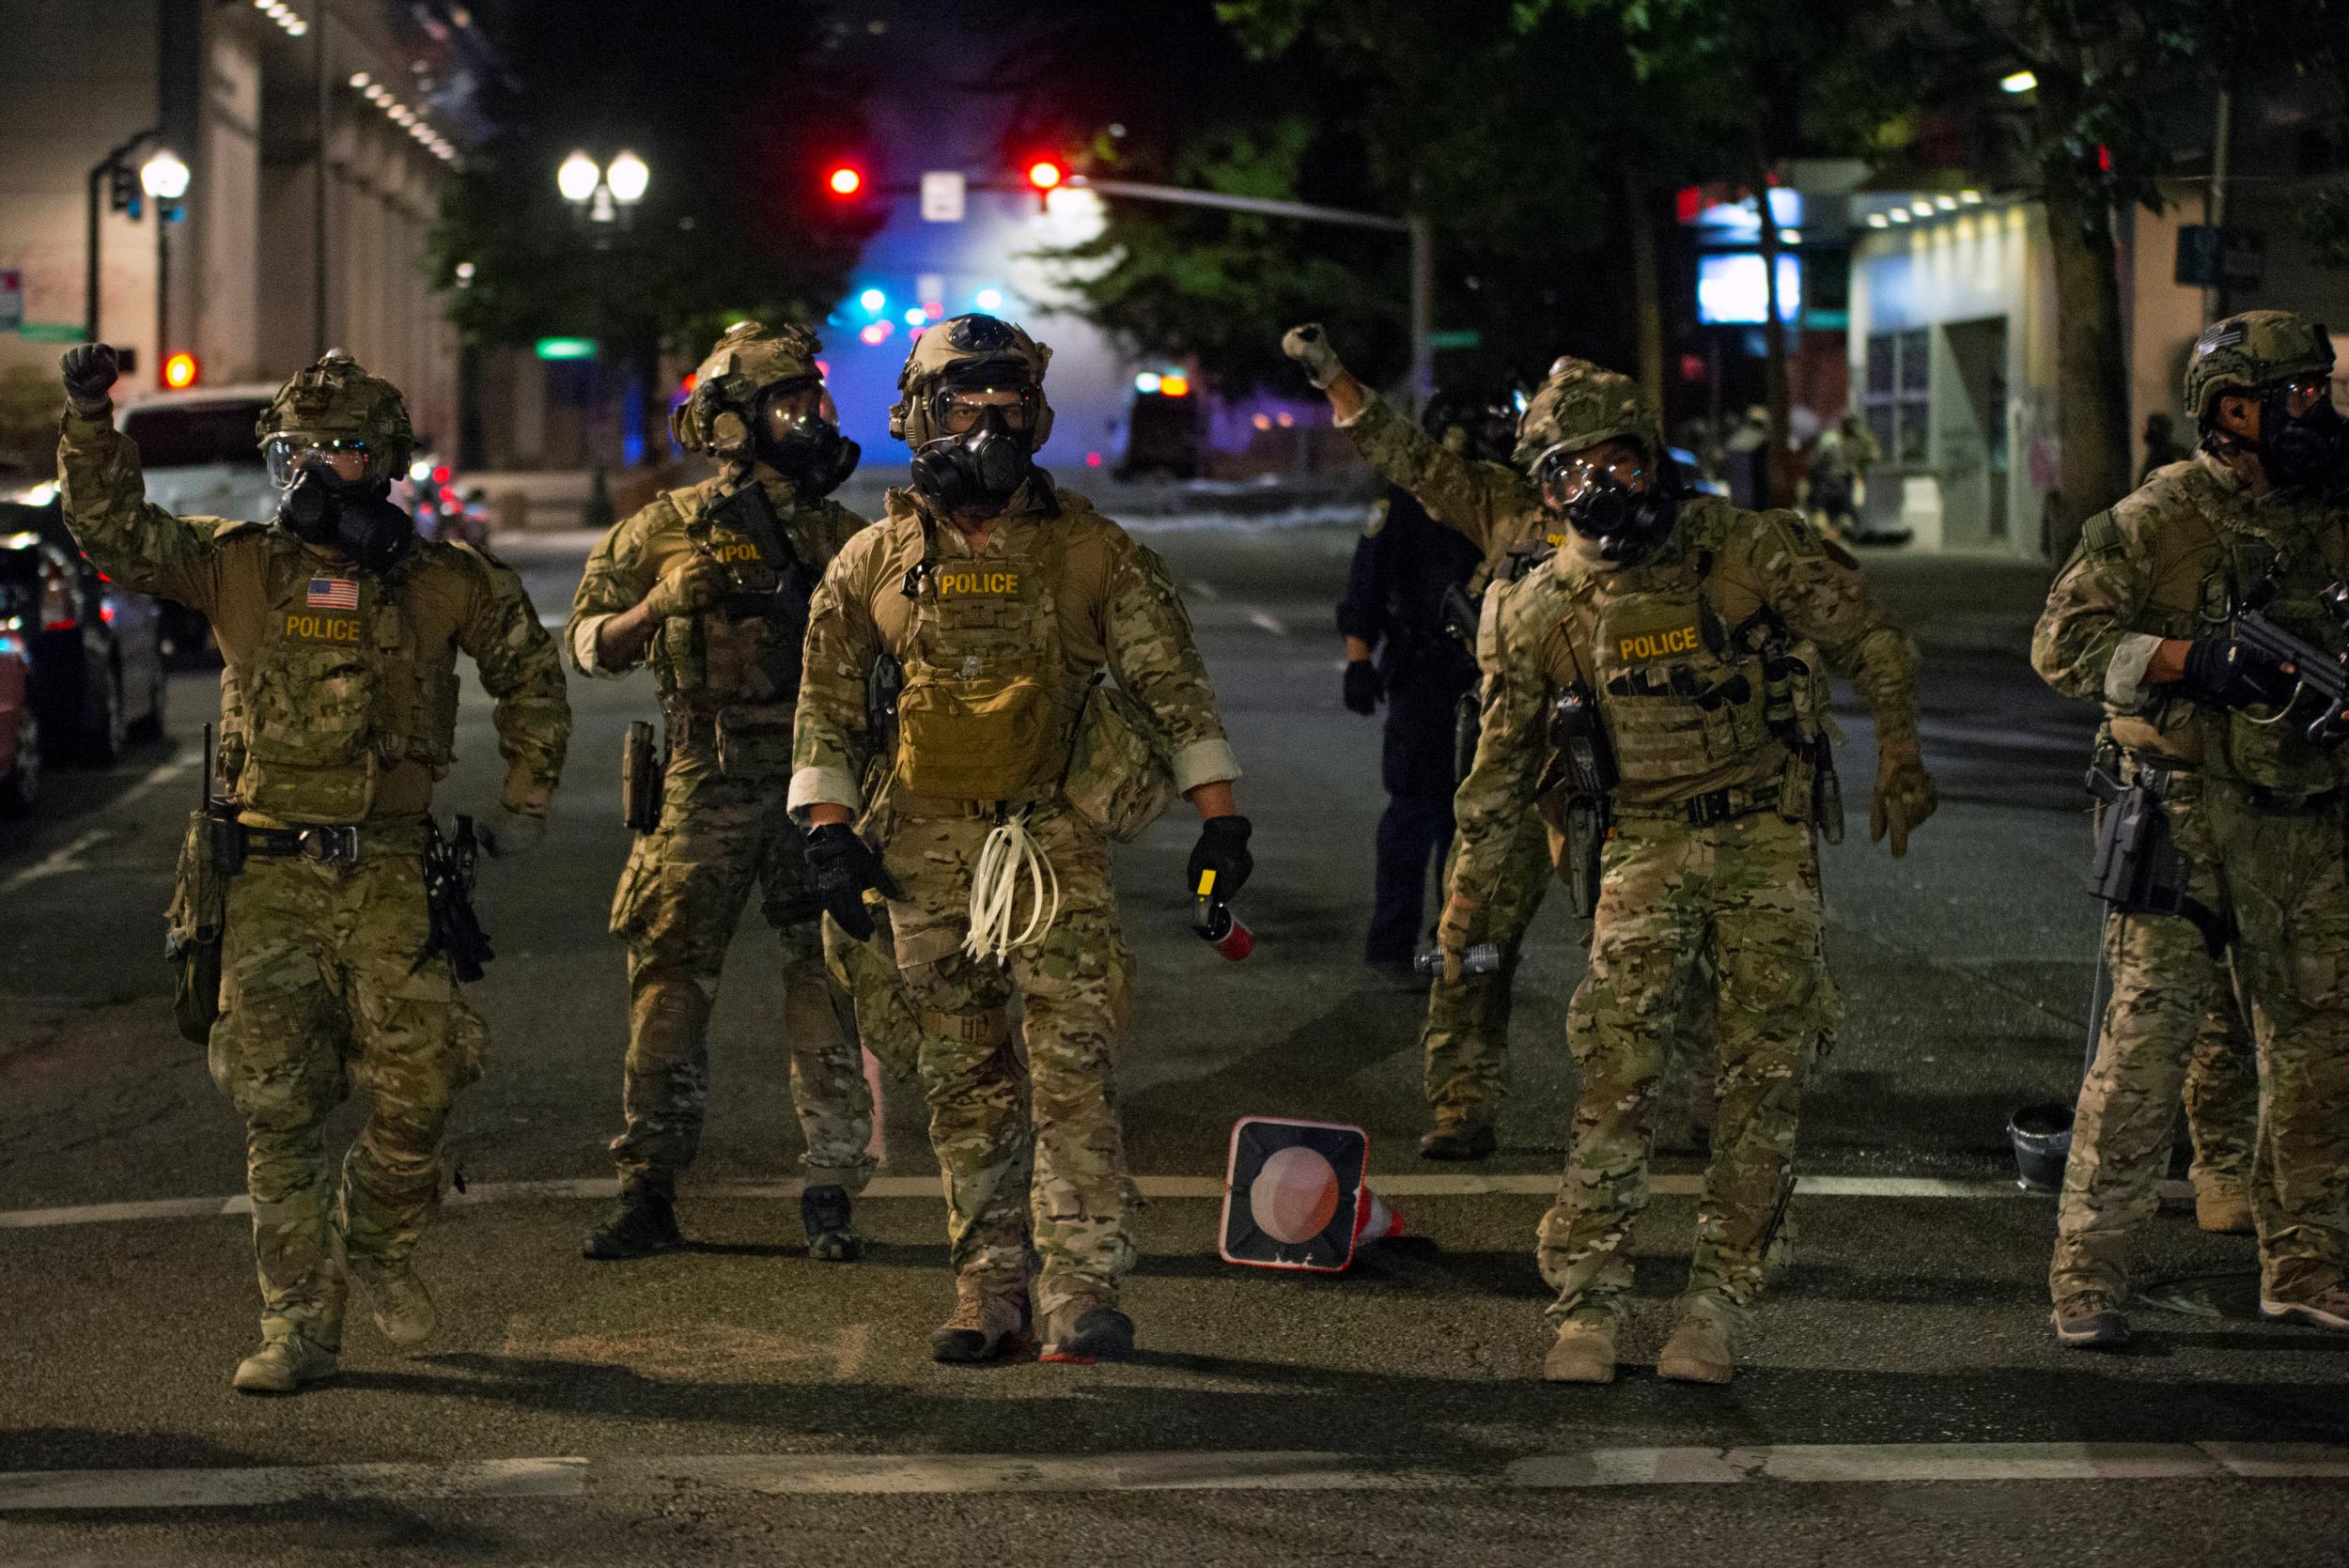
<point>1423,259</point>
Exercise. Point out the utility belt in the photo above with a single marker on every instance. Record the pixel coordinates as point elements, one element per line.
<point>2171,782</point>
<point>326,843</point>
<point>1708,810</point>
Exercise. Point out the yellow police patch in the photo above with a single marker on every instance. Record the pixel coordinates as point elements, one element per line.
<point>307,625</point>
<point>1638,647</point>
<point>735,552</point>
<point>977,580</point>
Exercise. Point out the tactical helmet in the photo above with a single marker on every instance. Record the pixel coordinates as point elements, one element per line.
<point>2245,353</point>
<point>332,403</point>
<point>967,350</point>
<point>1580,405</point>
<point>747,360</point>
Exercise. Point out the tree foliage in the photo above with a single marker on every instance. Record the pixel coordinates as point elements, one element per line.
<point>736,112</point>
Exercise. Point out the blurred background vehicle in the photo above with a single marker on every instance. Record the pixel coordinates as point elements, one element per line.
<point>20,724</point>
<point>94,646</point>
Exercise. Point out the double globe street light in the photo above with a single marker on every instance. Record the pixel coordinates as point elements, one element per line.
<point>603,194</point>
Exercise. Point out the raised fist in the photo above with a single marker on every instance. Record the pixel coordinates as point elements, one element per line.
<point>1308,345</point>
<point>89,370</point>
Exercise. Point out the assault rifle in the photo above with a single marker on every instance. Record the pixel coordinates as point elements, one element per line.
<point>2314,671</point>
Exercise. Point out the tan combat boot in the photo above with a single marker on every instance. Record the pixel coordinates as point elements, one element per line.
<point>1702,1348</point>
<point>1457,1134</point>
<point>989,1320</point>
<point>285,1362</point>
<point>2222,1207</point>
<point>1584,1352</point>
<point>397,1301</point>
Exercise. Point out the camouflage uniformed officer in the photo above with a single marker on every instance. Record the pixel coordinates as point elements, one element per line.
<point>340,628</point>
<point>1463,1044</point>
<point>1665,624</point>
<point>2141,619</point>
<point>710,585</point>
<point>1003,602</point>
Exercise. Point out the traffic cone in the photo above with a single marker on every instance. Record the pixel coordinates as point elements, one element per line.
<point>1294,1196</point>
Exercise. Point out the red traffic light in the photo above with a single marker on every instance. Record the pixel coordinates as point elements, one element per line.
<point>1044,174</point>
<point>845,180</point>
<point>180,370</point>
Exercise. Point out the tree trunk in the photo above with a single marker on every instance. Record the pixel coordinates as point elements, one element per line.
<point>1778,477</point>
<point>1647,296</point>
<point>2092,371</point>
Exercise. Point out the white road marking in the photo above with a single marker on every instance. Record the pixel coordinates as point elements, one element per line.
<point>57,861</point>
<point>158,776</point>
<point>60,861</point>
<point>884,1474</point>
<point>1200,588</point>
<point>1264,620</point>
<point>1400,1187</point>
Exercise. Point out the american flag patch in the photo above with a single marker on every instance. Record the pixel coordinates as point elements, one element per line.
<point>333,593</point>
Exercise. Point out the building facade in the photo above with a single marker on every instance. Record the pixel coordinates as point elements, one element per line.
<point>286,242</point>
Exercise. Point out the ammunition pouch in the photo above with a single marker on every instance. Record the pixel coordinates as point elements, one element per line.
<point>197,922</point>
<point>1119,776</point>
<point>640,779</point>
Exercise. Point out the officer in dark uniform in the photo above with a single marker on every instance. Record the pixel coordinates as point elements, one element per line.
<point>1397,648</point>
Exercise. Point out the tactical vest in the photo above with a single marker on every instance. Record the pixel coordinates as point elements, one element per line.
<point>1679,699</point>
<point>2222,559</point>
<point>745,651</point>
<point>338,692</point>
<point>983,714</point>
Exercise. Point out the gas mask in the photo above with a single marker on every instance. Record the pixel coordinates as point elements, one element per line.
<point>2307,452</point>
<point>982,455</point>
<point>1599,502</point>
<point>797,434</point>
<point>351,516</point>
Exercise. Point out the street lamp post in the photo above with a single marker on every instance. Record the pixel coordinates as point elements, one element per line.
<point>164,179</point>
<point>602,194</point>
<point>103,173</point>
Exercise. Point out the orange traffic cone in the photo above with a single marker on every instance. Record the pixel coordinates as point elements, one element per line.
<point>1294,1196</point>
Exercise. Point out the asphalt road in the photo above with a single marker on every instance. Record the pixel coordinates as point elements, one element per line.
<point>1900,1397</point>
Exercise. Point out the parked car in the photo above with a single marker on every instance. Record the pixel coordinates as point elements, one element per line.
<point>98,666</point>
<point>20,724</point>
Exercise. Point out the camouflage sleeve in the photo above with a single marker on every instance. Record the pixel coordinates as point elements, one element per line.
<point>1491,802</point>
<point>523,674</point>
<point>618,576</point>
<point>143,546</point>
<point>1155,654</point>
<point>2082,645</point>
<point>827,737</point>
<point>1816,588</point>
<point>1470,498</point>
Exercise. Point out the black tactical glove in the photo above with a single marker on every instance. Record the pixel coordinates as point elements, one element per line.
<point>843,866</point>
<point>1223,848</point>
<point>1361,686</point>
<point>2224,671</point>
<point>89,370</point>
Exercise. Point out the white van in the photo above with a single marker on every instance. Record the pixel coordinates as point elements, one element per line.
<point>198,449</point>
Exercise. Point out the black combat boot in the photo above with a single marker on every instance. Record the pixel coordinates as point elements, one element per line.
<point>824,1211</point>
<point>645,1223</point>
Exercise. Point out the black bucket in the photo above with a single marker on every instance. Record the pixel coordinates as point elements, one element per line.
<point>2041,1135</point>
